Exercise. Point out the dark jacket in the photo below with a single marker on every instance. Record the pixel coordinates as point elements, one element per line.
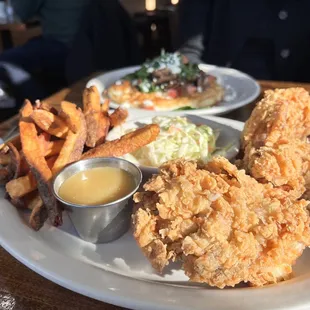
<point>267,39</point>
<point>107,40</point>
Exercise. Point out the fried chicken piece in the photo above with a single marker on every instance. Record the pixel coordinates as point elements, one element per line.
<point>275,146</point>
<point>282,115</point>
<point>225,226</point>
<point>286,166</point>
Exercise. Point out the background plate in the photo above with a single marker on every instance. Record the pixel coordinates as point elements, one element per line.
<point>240,89</point>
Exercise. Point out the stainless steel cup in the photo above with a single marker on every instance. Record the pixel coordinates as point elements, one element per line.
<point>100,223</point>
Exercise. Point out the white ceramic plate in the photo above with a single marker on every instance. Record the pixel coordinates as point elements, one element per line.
<point>240,89</point>
<point>118,273</point>
<point>228,136</point>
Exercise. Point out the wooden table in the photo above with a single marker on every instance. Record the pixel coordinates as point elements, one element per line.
<point>21,288</point>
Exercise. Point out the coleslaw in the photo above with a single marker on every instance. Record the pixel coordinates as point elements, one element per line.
<point>178,138</point>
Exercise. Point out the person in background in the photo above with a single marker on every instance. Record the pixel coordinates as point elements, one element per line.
<point>42,58</point>
<point>266,39</point>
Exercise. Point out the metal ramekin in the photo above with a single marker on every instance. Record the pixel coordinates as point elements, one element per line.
<point>100,223</point>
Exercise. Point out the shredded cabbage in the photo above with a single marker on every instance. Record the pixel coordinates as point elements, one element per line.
<point>178,138</point>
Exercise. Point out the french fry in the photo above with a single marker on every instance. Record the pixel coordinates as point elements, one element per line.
<point>54,148</point>
<point>42,105</point>
<point>103,128</point>
<point>33,200</point>
<point>4,173</point>
<point>91,100</point>
<point>105,106</point>
<point>50,123</point>
<point>5,159</point>
<point>15,165</point>
<point>38,166</point>
<point>24,185</point>
<point>15,141</point>
<point>118,117</point>
<point>67,113</point>
<point>126,144</point>
<point>74,143</point>
<point>44,140</point>
<point>96,122</point>
<point>38,216</point>
<point>50,148</point>
<point>21,186</point>
<point>30,201</point>
<point>24,167</point>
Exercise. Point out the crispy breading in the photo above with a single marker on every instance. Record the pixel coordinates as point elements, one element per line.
<point>275,141</point>
<point>126,144</point>
<point>282,115</point>
<point>225,226</point>
<point>74,143</point>
<point>37,163</point>
<point>50,123</point>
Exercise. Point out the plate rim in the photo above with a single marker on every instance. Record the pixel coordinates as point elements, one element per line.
<point>162,300</point>
<point>214,110</point>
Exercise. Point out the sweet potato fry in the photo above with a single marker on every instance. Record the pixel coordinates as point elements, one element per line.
<point>96,122</point>
<point>105,106</point>
<point>38,164</point>
<point>33,200</point>
<point>126,144</point>
<point>21,186</point>
<point>15,165</point>
<point>50,123</point>
<point>74,143</point>
<point>67,113</point>
<point>54,148</point>
<point>4,174</point>
<point>5,159</point>
<point>18,203</point>
<point>42,105</point>
<point>15,141</point>
<point>118,117</point>
<point>91,100</point>
<point>103,128</point>
<point>24,167</point>
<point>38,215</point>
<point>44,140</point>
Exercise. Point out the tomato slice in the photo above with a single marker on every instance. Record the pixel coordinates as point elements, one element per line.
<point>173,93</point>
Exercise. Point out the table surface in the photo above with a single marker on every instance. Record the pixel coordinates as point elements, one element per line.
<point>21,288</point>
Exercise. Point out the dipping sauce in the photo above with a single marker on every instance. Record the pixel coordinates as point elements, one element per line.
<point>97,186</point>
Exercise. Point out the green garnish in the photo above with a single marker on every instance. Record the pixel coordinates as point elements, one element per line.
<point>185,109</point>
<point>144,80</point>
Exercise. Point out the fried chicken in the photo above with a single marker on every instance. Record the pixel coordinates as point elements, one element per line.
<point>275,141</point>
<point>225,226</point>
<point>282,115</point>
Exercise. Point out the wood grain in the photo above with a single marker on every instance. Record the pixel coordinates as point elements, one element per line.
<point>21,288</point>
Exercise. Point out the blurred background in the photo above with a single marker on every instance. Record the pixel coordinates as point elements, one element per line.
<point>47,45</point>
<point>139,32</point>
